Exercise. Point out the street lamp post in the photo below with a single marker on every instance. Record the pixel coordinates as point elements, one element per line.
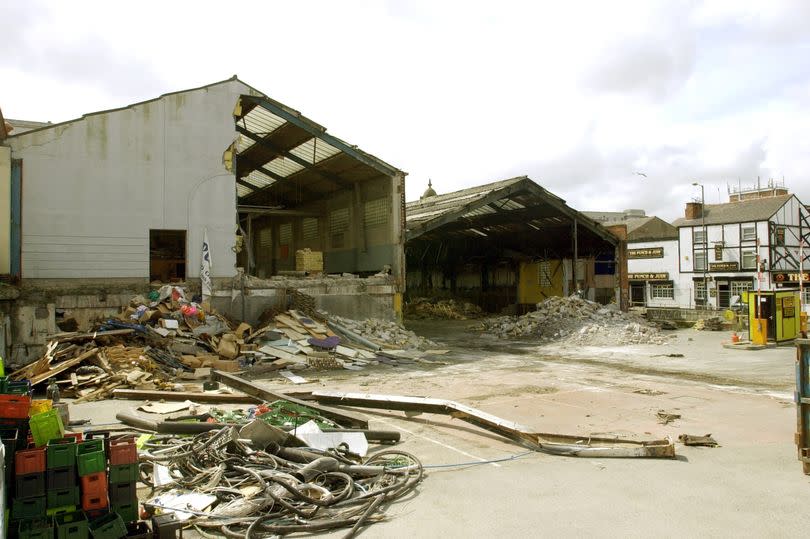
<point>705,243</point>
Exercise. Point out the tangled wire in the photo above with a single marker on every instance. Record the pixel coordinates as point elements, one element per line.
<point>280,490</point>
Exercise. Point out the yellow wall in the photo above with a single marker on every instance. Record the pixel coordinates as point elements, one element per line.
<point>5,210</point>
<point>529,289</point>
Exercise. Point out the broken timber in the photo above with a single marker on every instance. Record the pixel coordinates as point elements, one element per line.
<point>211,398</point>
<point>558,444</point>
<point>340,417</point>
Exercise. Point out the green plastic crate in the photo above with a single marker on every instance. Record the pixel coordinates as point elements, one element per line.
<point>128,511</point>
<point>71,526</point>
<point>46,426</point>
<point>110,526</point>
<point>63,497</point>
<point>18,388</point>
<point>123,473</point>
<point>28,507</point>
<point>56,511</point>
<point>61,453</point>
<point>38,528</point>
<point>91,460</point>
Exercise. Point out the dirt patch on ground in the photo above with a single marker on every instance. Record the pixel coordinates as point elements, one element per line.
<point>671,373</point>
<point>515,391</point>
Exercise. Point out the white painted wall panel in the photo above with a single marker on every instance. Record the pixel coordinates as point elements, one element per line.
<point>94,187</point>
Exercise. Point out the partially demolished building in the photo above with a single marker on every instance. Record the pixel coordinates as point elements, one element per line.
<point>114,200</point>
<point>508,245</point>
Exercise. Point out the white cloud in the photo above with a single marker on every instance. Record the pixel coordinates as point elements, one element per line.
<point>579,95</point>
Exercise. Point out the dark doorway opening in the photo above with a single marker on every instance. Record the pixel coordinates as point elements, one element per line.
<point>723,294</point>
<point>638,294</point>
<point>167,255</point>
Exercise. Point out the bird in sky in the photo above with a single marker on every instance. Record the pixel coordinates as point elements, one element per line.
<point>641,174</point>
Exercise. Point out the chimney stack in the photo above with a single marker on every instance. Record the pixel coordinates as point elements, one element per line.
<point>694,210</point>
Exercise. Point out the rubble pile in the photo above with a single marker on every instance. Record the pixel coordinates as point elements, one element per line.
<point>709,324</point>
<point>574,320</point>
<point>161,341</point>
<point>384,332</point>
<point>445,309</point>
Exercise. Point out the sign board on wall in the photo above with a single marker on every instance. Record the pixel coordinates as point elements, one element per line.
<point>783,277</point>
<point>648,252</point>
<point>663,276</point>
<point>724,266</point>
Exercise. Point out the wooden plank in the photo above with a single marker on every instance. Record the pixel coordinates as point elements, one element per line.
<point>86,336</point>
<point>292,377</point>
<point>292,334</point>
<point>340,417</point>
<point>61,367</point>
<point>213,398</point>
<point>280,354</point>
<point>290,322</point>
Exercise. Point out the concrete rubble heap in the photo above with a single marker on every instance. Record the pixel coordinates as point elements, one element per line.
<point>444,309</point>
<point>572,320</point>
<point>383,332</point>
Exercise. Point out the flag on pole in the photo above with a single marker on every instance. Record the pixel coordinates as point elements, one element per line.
<point>205,268</point>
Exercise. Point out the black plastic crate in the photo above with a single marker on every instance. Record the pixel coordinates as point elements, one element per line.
<point>22,508</point>
<point>61,478</point>
<point>29,485</point>
<point>123,493</point>
<point>63,496</point>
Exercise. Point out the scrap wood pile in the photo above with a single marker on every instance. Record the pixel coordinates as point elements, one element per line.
<point>159,341</point>
<point>441,309</point>
<point>573,320</point>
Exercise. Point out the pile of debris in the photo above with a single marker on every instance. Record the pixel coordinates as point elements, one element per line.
<point>156,343</point>
<point>444,309</point>
<point>714,323</point>
<point>382,333</point>
<point>573,320</point>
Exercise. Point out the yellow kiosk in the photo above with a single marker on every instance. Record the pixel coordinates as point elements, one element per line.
<point>779,316</point>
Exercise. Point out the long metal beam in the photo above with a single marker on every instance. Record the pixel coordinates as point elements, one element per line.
<point>280,212</point>
<point>321,133</point>
<point>558,444</point>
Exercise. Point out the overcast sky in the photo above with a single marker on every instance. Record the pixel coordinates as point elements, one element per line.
<point>577,95</point>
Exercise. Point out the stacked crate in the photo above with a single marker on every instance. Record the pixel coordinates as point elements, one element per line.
<point>92,461</point>
<point>26,491</point>
<point>59,485</point>
<point>62,482</point>
<point>124,478</point>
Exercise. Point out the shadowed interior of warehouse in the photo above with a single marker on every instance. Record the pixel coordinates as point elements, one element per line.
<point>506,246</point>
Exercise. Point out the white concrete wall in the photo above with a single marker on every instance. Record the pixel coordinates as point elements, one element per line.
<point>94,187</point>
<point>668,264</point>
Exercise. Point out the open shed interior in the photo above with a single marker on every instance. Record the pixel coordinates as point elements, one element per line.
<point>301,188</point>
<point>506,245</point>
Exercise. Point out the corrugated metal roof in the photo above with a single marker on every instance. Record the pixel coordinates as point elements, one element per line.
<point>296,150</point>
<point>758,209</point>
<point>511,206</point>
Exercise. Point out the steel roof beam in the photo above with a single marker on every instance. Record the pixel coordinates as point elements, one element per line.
<point>321,133</point>
<point>340,182</point>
